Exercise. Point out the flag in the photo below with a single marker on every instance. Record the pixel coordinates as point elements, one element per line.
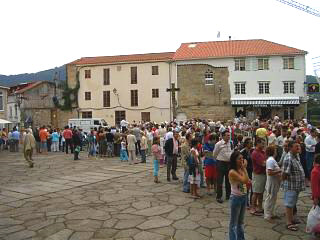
<point>218,35</point>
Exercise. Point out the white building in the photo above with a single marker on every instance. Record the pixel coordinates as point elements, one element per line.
<point>131,87</point>
<point>265,78</point>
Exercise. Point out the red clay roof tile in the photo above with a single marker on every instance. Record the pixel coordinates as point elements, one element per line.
<point>233,48</point>
<point>149,57</point>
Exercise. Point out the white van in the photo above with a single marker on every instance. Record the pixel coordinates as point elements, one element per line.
<point>87,123</point>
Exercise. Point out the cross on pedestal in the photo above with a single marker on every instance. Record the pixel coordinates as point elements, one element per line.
<point>173,91</point>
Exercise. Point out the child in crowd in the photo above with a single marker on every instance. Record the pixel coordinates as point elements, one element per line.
<point>92,144</point>
<point>210,163</point>
<point>156,152</point>
<point>194,173</point>
<point>123,150</point>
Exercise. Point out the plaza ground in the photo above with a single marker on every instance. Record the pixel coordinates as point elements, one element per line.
<point>63,199</point>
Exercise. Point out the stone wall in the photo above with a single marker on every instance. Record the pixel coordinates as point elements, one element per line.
<point>198,100</point>
<point>71,75</point>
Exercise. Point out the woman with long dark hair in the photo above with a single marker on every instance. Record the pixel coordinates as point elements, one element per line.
<point>238,178</point>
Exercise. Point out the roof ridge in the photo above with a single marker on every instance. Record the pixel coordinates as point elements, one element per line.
<point>226,41</point>
<point>124,55</point>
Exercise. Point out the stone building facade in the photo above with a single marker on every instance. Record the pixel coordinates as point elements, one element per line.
<point>3,102</point>
<point>34,106</point>
<point>204,92</point>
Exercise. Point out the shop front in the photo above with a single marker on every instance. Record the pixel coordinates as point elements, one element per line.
<point>266,108</point>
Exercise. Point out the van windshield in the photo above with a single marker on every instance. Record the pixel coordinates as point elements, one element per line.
<point>96,122</point>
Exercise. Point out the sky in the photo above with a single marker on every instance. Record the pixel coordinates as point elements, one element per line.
<point>42,34</point>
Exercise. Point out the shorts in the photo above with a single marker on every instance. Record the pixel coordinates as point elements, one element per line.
<point>290,198</point>
<point>211,172</point>
<point>194,179</point>
<point>43,145</point>
<point>259,183</point>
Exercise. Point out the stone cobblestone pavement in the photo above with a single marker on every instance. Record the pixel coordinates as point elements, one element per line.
<point>62,199</point>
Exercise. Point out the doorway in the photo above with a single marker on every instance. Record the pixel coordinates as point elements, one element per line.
<point>266,113</point>
<point>145,116</point>
<point>119,116</point>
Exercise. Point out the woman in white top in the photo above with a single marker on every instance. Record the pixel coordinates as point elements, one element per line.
<point>273,183</point>
<point>239,179</point>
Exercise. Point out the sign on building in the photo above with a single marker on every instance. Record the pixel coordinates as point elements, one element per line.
<point>313,88</point>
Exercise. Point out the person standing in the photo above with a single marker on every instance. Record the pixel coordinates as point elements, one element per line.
<point>293,183</point>
<point>117,143</point>
<point>172,149</point>
<point>137,133</point>
<point>55,141</point>
<point>76,143</point>
<point>144,143</point>
<point>222,152</point>
<point>38,140</point>
<point>238,177</point>
<point>67,134</point>
<point>110,143</point>
<point>185,153</point>
<point>273,183</point>
<point>28,145</point>
<point>43,134</point>
<point>123,150</point>
<point>259,177</point>
<point>310,143</point>
<point>246,153</point>
<point>315,181</point>
<point>15,136</point>
<point>156,152</point>
<point>131,140</point>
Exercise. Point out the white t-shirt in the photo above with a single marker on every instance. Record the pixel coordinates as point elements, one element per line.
<point>272,164</point>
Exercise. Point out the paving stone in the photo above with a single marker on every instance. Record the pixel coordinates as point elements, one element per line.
<point>81,236</point>
<point>209,223</point>
<point>129,223</point>
<point>204,231</point>
<point>153,211</point>
<point>148,236</point>
<point>141,205</point>
<point>127,233</point>
<point>9,221</point>
<point>189,235</point>
<point>178,214</point>
<point>86,225</point>
<point>88,214</point>
<point>167,231</point>
<point>268,233</point>
<point>61,235</point>
<point>25,234</point>
<point>156,222</point>
<point>11,229</point>
<point>51,229</point>
<point>110,223</point>
<point>41,224</point>
<point>180,201</point>
<point>185,224</point>
<point>104,233</point>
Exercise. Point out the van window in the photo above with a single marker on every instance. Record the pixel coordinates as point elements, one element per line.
<point>96,122</point>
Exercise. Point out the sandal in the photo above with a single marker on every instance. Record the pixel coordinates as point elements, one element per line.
<point>292,227</point>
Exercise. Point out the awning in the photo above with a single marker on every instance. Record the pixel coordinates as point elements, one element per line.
<point>269,102</point>
<point>3,121</point>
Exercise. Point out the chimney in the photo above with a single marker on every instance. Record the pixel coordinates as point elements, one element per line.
<point>229,38</point>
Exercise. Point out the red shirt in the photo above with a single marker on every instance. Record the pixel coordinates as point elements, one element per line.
<point>67,134</point>
<point>315,181</point>
<point>259,161</point>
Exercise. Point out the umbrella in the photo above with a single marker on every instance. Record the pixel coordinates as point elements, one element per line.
<point>2,121</point>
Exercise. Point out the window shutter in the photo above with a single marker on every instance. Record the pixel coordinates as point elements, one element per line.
<point>254,64</point>
<point>248,64</point>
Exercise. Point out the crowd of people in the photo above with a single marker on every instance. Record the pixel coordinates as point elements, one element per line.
<point>251,159</point>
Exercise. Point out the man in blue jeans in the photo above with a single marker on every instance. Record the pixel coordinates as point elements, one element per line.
<point>185,152</point>
<point>15,136</point>
<point>293,183</point>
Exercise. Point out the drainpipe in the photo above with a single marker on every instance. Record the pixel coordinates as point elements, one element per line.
<point>171,91</point>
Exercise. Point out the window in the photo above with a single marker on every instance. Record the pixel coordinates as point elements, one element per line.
<point>119,116</point>
<point>134,75</point>
<point>288,113</point>
<point>86,114</point>
<point>134,98</point>
<point>240,64</point>
<point>155,70</point>
<point>87,96</point>
<point>240,88</point>
<point>145,116</point>
<point>263,64</point>
<point>288,63</point>
<point>106,76</point>
<point>87,73</point>
<point>208,77</point>
<point>106,98</point>
<point>1,101</point>
<point>96,122</point>
<point>155,93</point>
<point>264,88</point>
<point>288,87</point>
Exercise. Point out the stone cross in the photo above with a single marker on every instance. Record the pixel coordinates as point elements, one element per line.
<point>173,91</point>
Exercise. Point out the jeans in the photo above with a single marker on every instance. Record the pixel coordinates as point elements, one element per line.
<point>309,160</point>
<point>171,166</point>
<point>69,143</point>
<point>143,155</point>
<point>223,171</point>
<point>238,209</point>
<point>155,167</point>
<point>186,185</point>
<point>138,147</point>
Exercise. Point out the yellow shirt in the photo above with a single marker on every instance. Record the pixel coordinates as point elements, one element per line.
<point>261,133</point>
